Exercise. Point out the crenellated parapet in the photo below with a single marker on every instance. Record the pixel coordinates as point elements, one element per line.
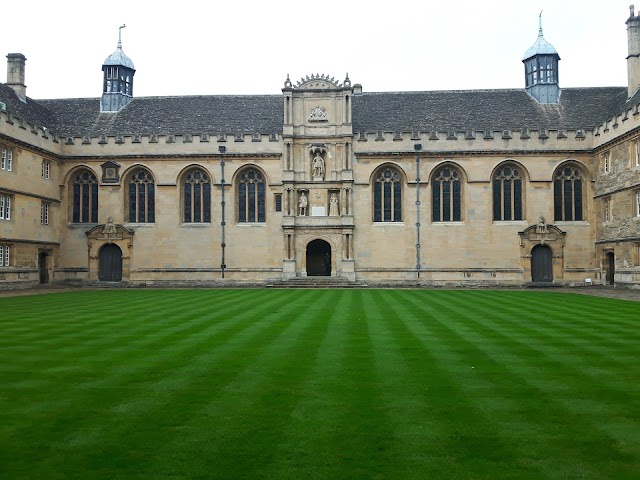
<point>526,139</point>
<point>619,126</point>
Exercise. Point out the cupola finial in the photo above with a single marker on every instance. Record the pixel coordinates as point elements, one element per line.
<point>540,23</point>
<point>120,35</point>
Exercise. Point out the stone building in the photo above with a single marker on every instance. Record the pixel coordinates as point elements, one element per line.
<point>514,186</point>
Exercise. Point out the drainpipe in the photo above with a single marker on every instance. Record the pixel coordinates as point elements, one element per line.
<point>222,149</point>
<point>417,148</point>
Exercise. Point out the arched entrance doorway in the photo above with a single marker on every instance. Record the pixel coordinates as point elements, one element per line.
<point>110,263</point>
<point>541,264</point>
<point>318,259</point>
<point>43,271</point>
<point>610,267</point>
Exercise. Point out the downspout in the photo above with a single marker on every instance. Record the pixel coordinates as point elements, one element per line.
<point>222,149</point>
<point>417,148</point>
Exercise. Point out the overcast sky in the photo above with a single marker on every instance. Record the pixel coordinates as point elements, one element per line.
<point>190,47</point>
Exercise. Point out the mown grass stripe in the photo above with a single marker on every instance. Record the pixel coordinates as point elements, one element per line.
<point>547,405</point>
<point>318,384</point>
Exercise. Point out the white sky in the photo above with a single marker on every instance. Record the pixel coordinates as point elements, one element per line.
<point>194,47</point>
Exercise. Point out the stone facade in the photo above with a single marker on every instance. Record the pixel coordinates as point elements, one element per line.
<point>427,188</point>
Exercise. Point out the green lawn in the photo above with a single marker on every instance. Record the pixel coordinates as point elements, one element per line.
<point>319,384</point>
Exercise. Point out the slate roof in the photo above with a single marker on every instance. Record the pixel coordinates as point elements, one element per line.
<point>388,111</point>
<point>483,109</point>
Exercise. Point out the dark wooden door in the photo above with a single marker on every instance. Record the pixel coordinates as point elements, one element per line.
<point>318,259</point>
<point>611,268</point>
<point>541,264</point>
<point>43,272</point>
<point>110,264</point>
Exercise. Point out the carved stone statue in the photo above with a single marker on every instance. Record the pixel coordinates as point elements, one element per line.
<point>109,228</point>
<point>302,205</point>
<point>318,166</point>
<point>333,205</point>
<point>542,227</point>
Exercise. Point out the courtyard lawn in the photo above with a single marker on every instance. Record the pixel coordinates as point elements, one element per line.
<point>319,384</point>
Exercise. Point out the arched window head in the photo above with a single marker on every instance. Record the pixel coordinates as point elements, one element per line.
<point>251,197</point>
<point>84,186</point>
<point>446,195</point>
<point>567,194</point>
<point>387,196</point>
<point>196,197</point>
<point>141,201</point>
<point>507,193</point>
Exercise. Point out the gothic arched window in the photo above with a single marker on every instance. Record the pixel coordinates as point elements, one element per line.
<point>141,197</point>
<point>446,195</point>
<point>387,196</point>
<point>567,194</point>
<point>196,189</point>
<point>507,193</point>
<point>251,197</point>
<point>84,196</point>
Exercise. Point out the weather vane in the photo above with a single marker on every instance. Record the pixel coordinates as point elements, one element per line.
<point>120,35</point>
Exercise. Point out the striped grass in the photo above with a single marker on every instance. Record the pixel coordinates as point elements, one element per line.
<point>319,384</point>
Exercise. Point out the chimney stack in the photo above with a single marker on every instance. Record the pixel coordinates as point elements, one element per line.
<point>15,75</point>
<point>633,59</point>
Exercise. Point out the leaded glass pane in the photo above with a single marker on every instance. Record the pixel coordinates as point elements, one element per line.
<point>94,201</point>
<point>206,203</point>
<point>377,202</point>
<point>446,201</point>
<point>151,202</point>
<point>251,201</point>
<point>497,200</point>
<point>387,201</point>
<point>141,202</point>
<point>557,200</point>
<point>76,203</point>
<point>187,202</point>
<point>242,202</point>
<point>457,201</point>
<point>507,200</point>
<point>578,199</point>
<point>397,202</point>
<point>517,199</point>
<point>85,202</point>
<point>197,203</point>
<point>436,201</point>
<point>261,202</point>
<point>132,202</point>
<point>568,199</point>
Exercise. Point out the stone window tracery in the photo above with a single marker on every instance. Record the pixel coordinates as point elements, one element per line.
<point>446,195</point>
<point>507,194</point>
<point>387,196</point>
<point>567,194</point>
<point>84,197</point>
<point>141,197</point>
<point>196,197</point>
<point>251,197</point>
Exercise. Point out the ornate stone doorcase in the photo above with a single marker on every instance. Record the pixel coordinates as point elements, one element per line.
<point>535,241</point>
<point>106,234</point>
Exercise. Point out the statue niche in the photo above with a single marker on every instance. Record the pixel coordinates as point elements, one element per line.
<point>318,163</point>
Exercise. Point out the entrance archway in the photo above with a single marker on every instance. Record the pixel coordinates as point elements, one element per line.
<point>541,264</point>
<point>110,263</point>
<point>318,259</point>
<point>43,271</point>
<point>610,268</point>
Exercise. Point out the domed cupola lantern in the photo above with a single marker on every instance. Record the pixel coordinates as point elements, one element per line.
<point>541,70</point>
<point>117,85</point>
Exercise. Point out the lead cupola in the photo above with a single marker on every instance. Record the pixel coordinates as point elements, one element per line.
<point>117,84</point>
<point>541,70</point>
